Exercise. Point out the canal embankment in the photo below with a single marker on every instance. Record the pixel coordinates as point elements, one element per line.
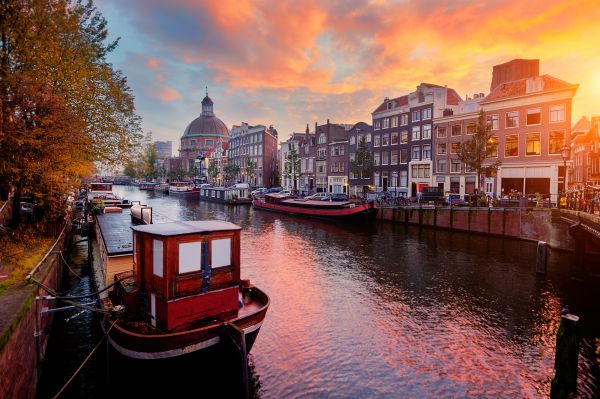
<point>23,327</point>
<point>532,224</point>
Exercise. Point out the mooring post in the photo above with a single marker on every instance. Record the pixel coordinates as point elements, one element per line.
<point>564,382</point>
<point>541,260</point>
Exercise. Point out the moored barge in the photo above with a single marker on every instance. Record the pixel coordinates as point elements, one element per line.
<point>182,293</point>
<point>333,210</point>
<point>230,196</point>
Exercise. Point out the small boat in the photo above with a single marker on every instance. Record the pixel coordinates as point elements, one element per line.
<point>102,192</point>
<point>226,195</point>
<point>183,292</point>
<point>333,210</point>
<point>148,186</point>
<point>183,188</point>
<point>162,188</point>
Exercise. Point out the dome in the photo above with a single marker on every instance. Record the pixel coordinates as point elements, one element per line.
<point>207,124</point>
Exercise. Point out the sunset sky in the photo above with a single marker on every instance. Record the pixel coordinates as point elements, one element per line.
<point>289,63</point>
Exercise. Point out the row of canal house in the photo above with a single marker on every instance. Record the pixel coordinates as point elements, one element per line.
<point>415,138</point>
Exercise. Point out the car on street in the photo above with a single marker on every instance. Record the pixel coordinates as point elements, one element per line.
<point>335,197</point>
<point>316,196</point>
<point>259,191</point>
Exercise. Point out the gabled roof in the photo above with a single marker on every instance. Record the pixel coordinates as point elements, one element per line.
<point>518,88</point>
<point>452,97</point>
<point>583,125</point>
<point>400,102</point>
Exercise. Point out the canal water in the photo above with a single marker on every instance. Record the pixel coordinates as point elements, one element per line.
<point>370,310</point>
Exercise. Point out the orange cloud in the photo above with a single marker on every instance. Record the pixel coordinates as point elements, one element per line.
<point>166,94</point>
<point>152,63</point>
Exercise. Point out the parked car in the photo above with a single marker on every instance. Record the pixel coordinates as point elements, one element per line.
<point>259,191</point>
<point>335,197</point>
<point>317,196</point>
<point>285,192</point>
<point>274,190</point>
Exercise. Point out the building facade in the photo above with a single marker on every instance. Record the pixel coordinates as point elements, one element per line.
<point>294,143</point>
<point>164,149</point>
<point>201,135</point>
<point>531,122</point>
<point>402,138</point>
<point>359,185</point>
<point>217,159</point>
<point>253,149</point>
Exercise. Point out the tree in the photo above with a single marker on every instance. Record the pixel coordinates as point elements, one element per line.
<point>362,165</point>
<point>212,170</point>
<point>230,170</point>
<point>478,148</point>
<point>149,162</point>
<point>63,108</point>
<point>291,168</point>
<point>250,169</point>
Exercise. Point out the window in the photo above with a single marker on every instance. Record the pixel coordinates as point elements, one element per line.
<point>427,151</point>
<point>352,156</point>
<point>369,138</point>
<point>385,139</point>
<point>416,133</point>
<point>533,144</point>
<point>394,179</point>
<point>394,138</point>
<point>456,130</point>
<point>404,119</point>
<point>157,257</point>
<point>492,121</point>
<point>394,158</point>
<point>321,153</point>
<point>404,137</point>
<point>403,155</point>
<point>352,140</point>
<point>534,116</point>
<point>386,123</point>
<point>190,256</point>
<point>441,132</point>
<point>441,148</point>
<point>426,132</point>
<point>492,146</point>
<point>376,140</point>
<point>377,159</point>
<point>469,169</point>
<point>471,128</point>
<point>322,138</point>
<point>512,119</point>
<point>416,116</point>
<point>416,152</point>
<point>441,166</point>
<point>377,124</point>
<point>385,158</point>
<point>556,141</point>
<point>193,144</point>
<point>332,151</point>
<point>454,148</point>
<point>404,178</point>
<point>421,171</point>
<point>511,146</point>
<point>394,121</point>
<point>427,113</point>
<point>455,166</point>
<point>376,179</point>
<point>557,113</point>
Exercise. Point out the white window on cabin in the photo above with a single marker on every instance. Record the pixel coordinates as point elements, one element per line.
<point>190,257</point>
<point>221,252</point>
<point>157,257</point>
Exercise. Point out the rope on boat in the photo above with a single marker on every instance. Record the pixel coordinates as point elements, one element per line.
<point>89,356</point>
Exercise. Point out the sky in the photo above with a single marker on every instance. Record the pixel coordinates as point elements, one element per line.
<point>289,63</point>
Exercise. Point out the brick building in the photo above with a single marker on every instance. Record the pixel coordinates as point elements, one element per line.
<point>259,145</point>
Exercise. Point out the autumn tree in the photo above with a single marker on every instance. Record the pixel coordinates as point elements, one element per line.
<point>476,151</point>
<point>63,107</point>
<point>149,161</point>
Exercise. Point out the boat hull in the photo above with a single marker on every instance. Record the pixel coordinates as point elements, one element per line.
<point>361,211</point>
<point>169,345</point>
<point>194,192</point>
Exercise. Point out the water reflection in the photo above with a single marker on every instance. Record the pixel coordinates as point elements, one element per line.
<point>382,310</point>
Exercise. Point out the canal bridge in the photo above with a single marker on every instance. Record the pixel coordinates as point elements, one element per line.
<point>584,227</point>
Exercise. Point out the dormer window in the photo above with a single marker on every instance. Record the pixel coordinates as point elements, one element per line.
<point>390,105</point>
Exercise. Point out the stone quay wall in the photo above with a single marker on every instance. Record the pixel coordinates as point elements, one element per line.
<point>533,224</point>
<point>24,331</point>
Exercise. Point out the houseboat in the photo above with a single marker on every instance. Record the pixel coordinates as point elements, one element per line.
<point>231,195</point>
<point>162,188</point>
<point>333,210</point>
<point>182,292</point>
<point>102,192</point>
<point>148,186</point>
<point>183,188</point>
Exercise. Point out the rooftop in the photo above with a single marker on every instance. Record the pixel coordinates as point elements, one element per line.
<point>185,228</point>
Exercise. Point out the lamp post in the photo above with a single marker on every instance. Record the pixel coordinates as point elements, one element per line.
<point>564,153</point>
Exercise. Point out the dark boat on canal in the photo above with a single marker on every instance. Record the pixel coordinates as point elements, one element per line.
<point>332,210</point>
<point>184,292</point>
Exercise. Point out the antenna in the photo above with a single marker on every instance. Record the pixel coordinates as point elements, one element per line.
<point>206,87</point>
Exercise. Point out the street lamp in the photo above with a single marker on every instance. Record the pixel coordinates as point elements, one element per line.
<point>564,153</point>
